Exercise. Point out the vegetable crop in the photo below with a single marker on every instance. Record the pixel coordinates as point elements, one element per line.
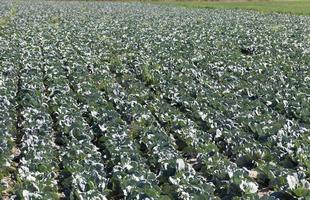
<point>104,100</point>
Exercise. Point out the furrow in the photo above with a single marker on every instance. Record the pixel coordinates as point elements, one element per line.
<point>19,133</point>
<point>19,117</point>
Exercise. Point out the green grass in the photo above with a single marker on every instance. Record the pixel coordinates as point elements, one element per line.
<point>299,7</point>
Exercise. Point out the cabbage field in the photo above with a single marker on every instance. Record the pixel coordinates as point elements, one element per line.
<point>104,100</point>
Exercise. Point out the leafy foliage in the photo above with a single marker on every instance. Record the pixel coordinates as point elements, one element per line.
<point>132,101</point>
